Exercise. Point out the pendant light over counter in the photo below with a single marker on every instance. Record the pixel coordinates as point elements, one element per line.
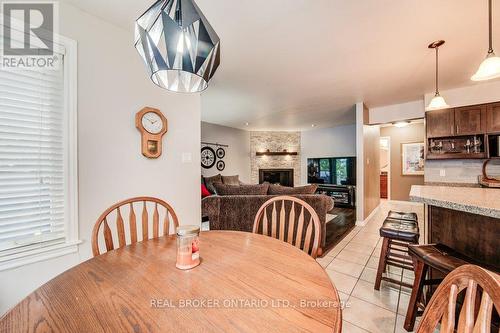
<point>437,101</point>
<point>180,48</point>
<point>490,67</point>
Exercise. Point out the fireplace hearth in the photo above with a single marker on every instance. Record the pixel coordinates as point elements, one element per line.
<point>282,177</point>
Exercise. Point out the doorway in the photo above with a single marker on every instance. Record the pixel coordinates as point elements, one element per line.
<point>385,167</point>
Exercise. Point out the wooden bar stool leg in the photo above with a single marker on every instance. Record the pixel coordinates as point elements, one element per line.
<point>381,263</point>
<point>411,313</point>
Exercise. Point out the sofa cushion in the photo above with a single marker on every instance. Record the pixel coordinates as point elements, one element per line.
<point>209,182</point>
<point>223,189</point>
<point>231,180</point>
<point>283,190</point>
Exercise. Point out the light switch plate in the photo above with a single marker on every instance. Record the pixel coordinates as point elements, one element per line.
<point>187,157</point>
<point>442,173</point>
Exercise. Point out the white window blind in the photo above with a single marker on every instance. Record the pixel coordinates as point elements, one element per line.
<point>33,160</point>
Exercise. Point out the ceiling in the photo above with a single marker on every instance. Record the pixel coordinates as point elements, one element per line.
<point>288,64</point>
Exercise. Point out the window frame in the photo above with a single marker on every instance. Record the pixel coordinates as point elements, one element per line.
<point>15,259</point>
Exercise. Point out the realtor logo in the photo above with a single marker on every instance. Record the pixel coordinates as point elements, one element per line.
<point>28,35</point>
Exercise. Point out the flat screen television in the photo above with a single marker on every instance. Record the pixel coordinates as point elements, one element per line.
<point>331,170</point>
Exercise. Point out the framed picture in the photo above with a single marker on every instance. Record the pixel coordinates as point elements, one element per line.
<point>412,155</point>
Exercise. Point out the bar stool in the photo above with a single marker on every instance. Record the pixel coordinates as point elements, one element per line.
<point>437,256</point>
<point>398,233</point>
<point>411,217</point>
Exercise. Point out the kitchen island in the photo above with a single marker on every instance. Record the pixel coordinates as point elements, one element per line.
<point>464,218</point>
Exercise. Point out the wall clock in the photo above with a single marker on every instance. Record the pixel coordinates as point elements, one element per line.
<point>207,157</point>
<point>220,152</point>
<point>221,165</point>
<point>153,125</point>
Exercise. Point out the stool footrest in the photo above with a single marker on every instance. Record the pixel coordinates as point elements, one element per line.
<point>398,282</point>
<point>401,262</point>
<point>401,256</point>
<point>399,265</point>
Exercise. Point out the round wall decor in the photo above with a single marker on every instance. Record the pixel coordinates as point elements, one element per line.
<point>221,165</point>
<point>207,157</point>
<point>220,152</point>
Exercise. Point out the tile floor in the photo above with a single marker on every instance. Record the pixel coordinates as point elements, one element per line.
<point>352,266</point>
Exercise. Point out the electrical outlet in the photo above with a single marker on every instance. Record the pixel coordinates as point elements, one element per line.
<point>442,173</point>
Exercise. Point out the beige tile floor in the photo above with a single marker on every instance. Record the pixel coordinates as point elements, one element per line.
<point>352,266</point>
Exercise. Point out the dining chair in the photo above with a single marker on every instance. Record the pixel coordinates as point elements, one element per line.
<point>158,208</point>
<point>473,317</point>
<point>284,218</point>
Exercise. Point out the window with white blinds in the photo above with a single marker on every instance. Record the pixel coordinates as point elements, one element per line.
<point>35,161</point>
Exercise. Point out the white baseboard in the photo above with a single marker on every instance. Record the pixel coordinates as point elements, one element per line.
<point>372,214</point>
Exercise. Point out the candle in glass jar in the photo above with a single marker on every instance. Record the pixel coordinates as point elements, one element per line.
<point>188,247</point>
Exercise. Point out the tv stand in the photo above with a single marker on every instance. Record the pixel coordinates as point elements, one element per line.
<point>342,195</point>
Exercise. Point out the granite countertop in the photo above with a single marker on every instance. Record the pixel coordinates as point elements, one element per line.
<point>480,201</point>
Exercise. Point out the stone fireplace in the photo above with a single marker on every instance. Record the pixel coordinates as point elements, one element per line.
<point>275,142</point>
<point>283,177</point>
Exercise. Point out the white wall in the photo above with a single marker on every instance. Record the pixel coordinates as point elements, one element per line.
<point>397,112</point>
<point>112,87</point>
<point>237,157</point>
<point>338,141</point>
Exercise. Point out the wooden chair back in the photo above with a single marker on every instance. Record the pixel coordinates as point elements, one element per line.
<point>161,210</point>
<point>476,312</point>
<point>287,218</point>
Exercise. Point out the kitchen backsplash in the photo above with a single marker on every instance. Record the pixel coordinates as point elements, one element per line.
<point>458,171</point>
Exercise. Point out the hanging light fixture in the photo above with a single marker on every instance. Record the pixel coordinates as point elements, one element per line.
<point>180,48</point>
<point>490,67</point>
<point>437,101</point>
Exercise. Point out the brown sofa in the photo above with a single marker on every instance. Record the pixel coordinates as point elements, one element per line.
<point>237,212</point>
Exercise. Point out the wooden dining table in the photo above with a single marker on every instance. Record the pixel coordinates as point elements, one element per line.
<point>245,283</point>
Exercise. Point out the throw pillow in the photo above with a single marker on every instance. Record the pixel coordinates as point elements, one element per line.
<point>204,191</point>
<point>209,182</point>
<point>223,189</point>
<point>231,180</point>
<point>283,190</point>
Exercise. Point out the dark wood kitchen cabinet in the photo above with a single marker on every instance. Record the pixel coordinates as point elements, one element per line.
<point>468,132</point>
<point>493,118</point>
<point>470,120</point>
<point>440,123</point>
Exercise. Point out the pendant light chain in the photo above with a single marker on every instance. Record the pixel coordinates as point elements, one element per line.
<point>490,12</point>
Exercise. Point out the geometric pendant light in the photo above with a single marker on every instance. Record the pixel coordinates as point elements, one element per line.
<point>437,101</point>
<point>490,67</point>
<point>180,48</point>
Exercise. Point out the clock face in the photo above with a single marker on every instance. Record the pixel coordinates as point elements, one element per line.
<point>207,157</point>
<point>152,123</point>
